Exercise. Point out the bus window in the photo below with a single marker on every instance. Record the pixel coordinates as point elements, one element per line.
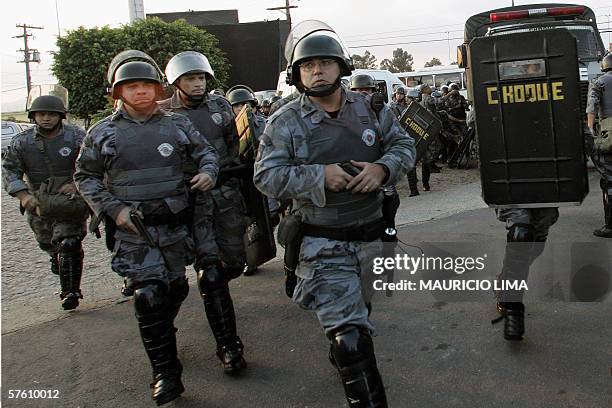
<point>445,79</point>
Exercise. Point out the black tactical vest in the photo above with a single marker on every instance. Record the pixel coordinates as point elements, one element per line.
<point>210,119</point>
<point>354,136</point>
<point>147,162</point>
<point>62,151</point>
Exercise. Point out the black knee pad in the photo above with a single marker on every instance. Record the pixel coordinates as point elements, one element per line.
<point>150,297</point>
<point>212,278</point>
<point>521,233</point>
<point>178,290</point>
<point>351,345</point>
<point>69,245</point>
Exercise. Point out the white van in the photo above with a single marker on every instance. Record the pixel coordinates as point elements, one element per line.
<point>386,81</point>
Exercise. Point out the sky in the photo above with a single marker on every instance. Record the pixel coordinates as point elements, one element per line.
<point>426,29</point>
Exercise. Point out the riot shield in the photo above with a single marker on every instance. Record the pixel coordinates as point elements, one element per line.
<point>42,90</point>
<point>528,119</point>
<point>259,236</point>
<point>421,125</point>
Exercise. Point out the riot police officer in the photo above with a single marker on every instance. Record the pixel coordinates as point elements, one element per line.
<point>399,103</point>
<point>239,96</point>
<point>56,213</point>
<point>130,170</point>
<point>433,150</point>
<point>265,107</point>
<point>363,83</point>
<point>299,156</point>
<point>218,215</point>
<point>600,103</point>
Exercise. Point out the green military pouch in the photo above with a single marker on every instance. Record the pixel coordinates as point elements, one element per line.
<point>603,141</point>
<point>56,205</point>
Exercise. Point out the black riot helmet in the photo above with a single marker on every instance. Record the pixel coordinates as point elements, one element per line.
<point>319,46</point>
<point>362,81</point>
<point>606,63</point>
<point>315,39</point>
<point>135,71</point>
<point>241,94</point>
<point>265,103</point>
<point>400,90</point>
<point>47,103</point>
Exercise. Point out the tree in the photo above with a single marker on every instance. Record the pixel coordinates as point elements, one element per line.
<point>434,62</point>
<point>365,61</point>
<point>401,62</point>
<point>81,62</point>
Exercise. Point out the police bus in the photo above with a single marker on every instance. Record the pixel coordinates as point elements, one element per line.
<point>434,76</point>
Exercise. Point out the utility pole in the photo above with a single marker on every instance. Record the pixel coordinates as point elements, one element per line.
<point>29,55</point>
<point>286,9</point>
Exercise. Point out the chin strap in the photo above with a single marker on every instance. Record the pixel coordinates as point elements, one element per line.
<point>320,91</point>
<point>190,98</point>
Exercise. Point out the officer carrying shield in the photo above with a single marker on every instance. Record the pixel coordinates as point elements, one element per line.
<point>239,96</point>
<point>399,103</point>
<point>600,103</point>
<point>56,213</point>
<point>337,216</point>
<point>218,215</point>
<point>130,170</point>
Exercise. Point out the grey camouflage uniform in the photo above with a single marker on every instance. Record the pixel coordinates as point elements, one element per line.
<point>219,222</point>
<point>329,271</point>
<point>599,102</point>
<point>101,152</point>
<point>23,158</point>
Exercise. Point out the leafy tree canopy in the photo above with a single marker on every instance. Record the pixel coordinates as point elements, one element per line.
<point>81,62</point>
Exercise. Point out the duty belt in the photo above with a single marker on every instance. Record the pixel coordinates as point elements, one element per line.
<point>172,220</point>
<point>365,233</point>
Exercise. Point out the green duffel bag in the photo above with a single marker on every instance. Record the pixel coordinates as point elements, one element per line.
<point>603,141</point>
<point>52,204</point>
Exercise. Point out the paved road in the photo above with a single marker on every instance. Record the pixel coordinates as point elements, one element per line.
<point>431,354</point>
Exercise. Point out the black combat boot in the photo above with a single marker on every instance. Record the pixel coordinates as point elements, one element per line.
<point>221,317</point>
<point>70,260</point>
<point>159,340</point>
<point>54,264</point>
<point>606,230</point>
<point>126,290</point>
<point>412,183</point>
<point>353,353</point>
<point>513,314</point>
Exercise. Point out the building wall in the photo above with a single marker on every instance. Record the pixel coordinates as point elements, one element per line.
<point>255,50</point>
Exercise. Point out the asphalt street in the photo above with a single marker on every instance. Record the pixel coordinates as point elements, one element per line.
<point>430,353</point>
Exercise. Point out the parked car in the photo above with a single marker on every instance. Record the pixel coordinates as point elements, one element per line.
<point>10,129</point>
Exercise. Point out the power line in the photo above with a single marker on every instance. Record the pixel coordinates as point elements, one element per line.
<point>406,42</point>
<point>401,31</point>
<point>406,35</point>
